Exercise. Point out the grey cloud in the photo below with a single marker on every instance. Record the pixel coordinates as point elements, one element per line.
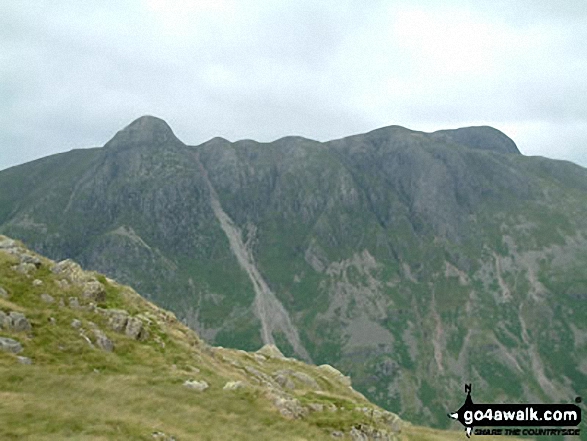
<point>74,74</point>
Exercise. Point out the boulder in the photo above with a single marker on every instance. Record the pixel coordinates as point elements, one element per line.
<point>24,268</point>
<point>74,303</point>
<point>37,282</point>
<point>19,322</point>
<point>30,259</point>
<point>270,351</point>
<point>284,381</point>
<point>47,298</point>
<point>233,385</point>
<point>10,345</point>
<point>70,270</point>
<point>94,290</point>
<point>5,321</point>
<point>118,319</point>
<point>24,360</point>
<point>329,370</point>
<point>306,379</point>
<point>6,243</point>
<point>199,386</point>
<point>76,324</point>
<point>316,407</point>
<point>135,329</point>
<point>102,341</point>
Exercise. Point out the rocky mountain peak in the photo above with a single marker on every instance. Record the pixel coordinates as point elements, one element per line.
<point>479,137</point>
<point>144,131</point>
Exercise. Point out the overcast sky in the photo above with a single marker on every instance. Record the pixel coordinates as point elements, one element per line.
<point>72,73</point>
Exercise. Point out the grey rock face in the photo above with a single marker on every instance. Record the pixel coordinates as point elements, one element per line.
<point>10,345</point>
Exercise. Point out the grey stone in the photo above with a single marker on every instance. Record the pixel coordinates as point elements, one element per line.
<point>337,434</point>
<point>306,379</point>
<point>336,374</point>
<point>5,321</point>
<point>24,360</point>
<point>94,290</point>
<point>75,323</point>
<point>200,386</point>
<point>118,319</point>
<point>134,329</point>
<point>19,322</point>
<point>270,351</point>
<point>47,298</point>
<point>29,259</point>
<point>10,345</point>
<point>233,385</point>
<point>74,303</point>
<point>316,407</point>
<point>6,242</point>
<point>37,282</point>
<point>24,268</point>
<point>102,341</point>
<point>71,270</point>
<point>284,381</point>
<point>3,293</point>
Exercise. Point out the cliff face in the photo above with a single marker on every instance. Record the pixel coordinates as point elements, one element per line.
<point>416,262</point>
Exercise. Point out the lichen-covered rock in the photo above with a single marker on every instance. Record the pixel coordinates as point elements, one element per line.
<point>331,371</point>
<point>102,341</point>
<point>233,385</point>
<point>47,298</point>
<point>284,381</point>
<point>289,407</point>
<point>270,351</point>
<point>306,379</point>
<point>199,386</point>
<point>5,321</point>
<point>135,329</point>
<point>24,268</point>
<point>24,360</point>
<point>6,243</point>
<point>94,290</point>
<point>70,270</point>
<point>10,345</point>
<point>19,322</point>
<point>117,320</point>
<point>316,407</point>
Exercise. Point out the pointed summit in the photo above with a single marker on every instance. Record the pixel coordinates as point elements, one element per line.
<point>146,130</point>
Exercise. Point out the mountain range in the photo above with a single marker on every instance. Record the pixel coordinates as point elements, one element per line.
<point>414,262</point>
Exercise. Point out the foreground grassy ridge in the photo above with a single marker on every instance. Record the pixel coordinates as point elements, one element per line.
<point>78,392</point>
